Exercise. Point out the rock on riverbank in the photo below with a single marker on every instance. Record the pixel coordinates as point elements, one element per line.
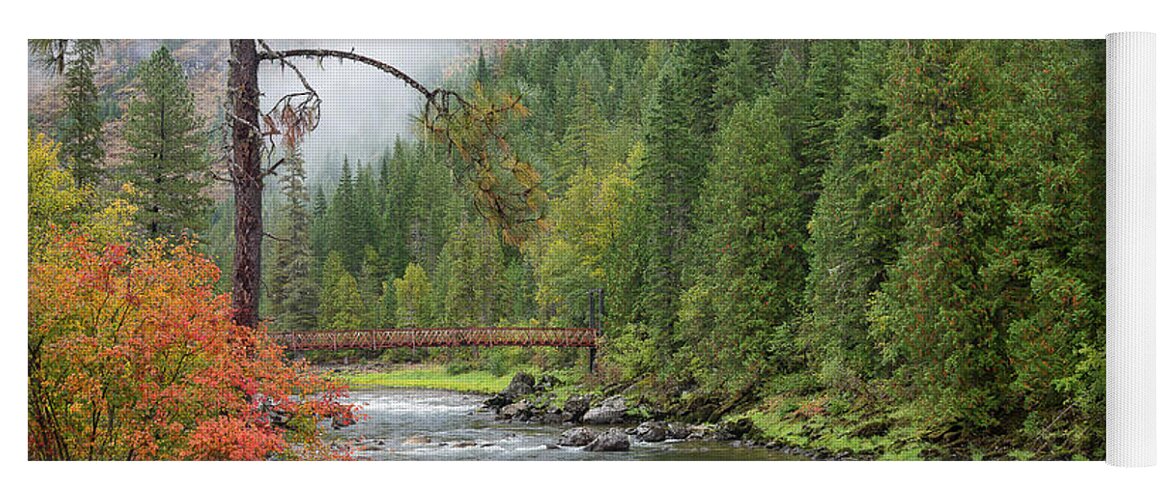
<point>611,440</point>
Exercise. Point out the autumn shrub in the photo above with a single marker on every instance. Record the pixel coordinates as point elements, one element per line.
<point>132,356</point>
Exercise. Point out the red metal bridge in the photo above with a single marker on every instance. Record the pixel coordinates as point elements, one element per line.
<point>438,337</point>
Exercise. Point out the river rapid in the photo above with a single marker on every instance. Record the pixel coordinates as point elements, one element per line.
<point>424,424</point>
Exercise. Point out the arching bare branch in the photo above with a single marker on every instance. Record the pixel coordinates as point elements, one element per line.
<point>319,54</point>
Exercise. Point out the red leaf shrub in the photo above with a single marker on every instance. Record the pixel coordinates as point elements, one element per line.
<point>133,356</point>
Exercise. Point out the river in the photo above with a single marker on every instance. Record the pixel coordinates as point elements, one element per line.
<point>423,424</point>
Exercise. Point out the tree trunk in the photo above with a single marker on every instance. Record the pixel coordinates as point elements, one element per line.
<point>244,92</point>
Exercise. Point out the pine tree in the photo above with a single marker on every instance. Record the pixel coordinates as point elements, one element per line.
<point>739,77</point>
<point>474,251</point>
<point>680,120</point>
<point>483,74</point>
<point>430,208</point>
<point>343,236</point>
<point>824,85</point>
<point>370,285</point>
<point>1051,255</point>
<point>939,315</point>
<point>518,283</point>
<point>167,150</point>
<point>341,306</point>
<point>319,235</point>
<point>584,140</point>
<point>293,291</point>
<point>411,292</point>
<point>81,130</point>
<point>398,180</point>
<point>739,315</point>
<point>331,273</point>
<point>387,307</point>
<point>848,248</point>
<point>366,226</point>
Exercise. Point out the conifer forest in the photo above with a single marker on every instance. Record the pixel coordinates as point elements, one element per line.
<point>830,249</point>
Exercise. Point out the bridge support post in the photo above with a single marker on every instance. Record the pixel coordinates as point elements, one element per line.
<point>595,298</point>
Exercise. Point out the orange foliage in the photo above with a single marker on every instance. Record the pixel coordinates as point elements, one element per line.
<point>133,356</point>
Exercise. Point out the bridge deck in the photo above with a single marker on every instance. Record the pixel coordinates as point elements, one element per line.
<point>437,337</point>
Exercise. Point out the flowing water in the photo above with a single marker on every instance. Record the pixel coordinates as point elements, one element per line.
<point>423,424</point>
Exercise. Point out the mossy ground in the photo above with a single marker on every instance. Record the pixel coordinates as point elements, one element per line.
<point>870,428</point>
<point>822,424</point>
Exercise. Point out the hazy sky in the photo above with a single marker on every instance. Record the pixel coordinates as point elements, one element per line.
<point>362,109</point>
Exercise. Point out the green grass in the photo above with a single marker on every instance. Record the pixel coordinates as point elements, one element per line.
<point>427,377</point>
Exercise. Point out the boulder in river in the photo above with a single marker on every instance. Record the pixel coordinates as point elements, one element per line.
<point>577,436</point>
<point>611,411</point>
<point>521,384</point>
<point>577,406</point>
<point>553,418</point>
<point>515,411</point>
<point>676,430</point>
<point>701,432</point>
<point>651,432</point>
<point>611,440</point>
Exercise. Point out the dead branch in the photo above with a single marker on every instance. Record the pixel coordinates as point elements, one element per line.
<point>272,170</point>
<point>269,55</point>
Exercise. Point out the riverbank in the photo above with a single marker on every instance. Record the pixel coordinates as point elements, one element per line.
<point>427,424</point>
<point>812,425</point>
<point>365,377</point>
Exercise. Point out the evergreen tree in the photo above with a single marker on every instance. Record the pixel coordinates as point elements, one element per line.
<point>848,248</point>
<point>939,315</point>
<point>739,77</point>
<point>341,306</point>
<point>366,226</point>
<point>370,285</point>
<point>167,150</point>
<point>474,251</point>
<point>331,274</point>
<point>519,292</point>
<point>430,205</point>
<point>739,316</point>
<point>398,180</point>
<point>1051,256</point>
<point>679,123</point>
<point>824,85</point>
<point>584,141</point>
<point>411,293</point>
<point>293,290</point>
<point>483,75</point>
<point>344,236</point>
<point>81,130</point>
<point>319,235</point>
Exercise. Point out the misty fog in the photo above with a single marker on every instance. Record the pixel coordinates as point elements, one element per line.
<point>363,109</point>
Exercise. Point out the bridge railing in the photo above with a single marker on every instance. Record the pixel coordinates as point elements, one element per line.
<point>437,337</point>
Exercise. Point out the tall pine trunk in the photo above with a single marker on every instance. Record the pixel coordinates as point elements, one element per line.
<point>247,178</point>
